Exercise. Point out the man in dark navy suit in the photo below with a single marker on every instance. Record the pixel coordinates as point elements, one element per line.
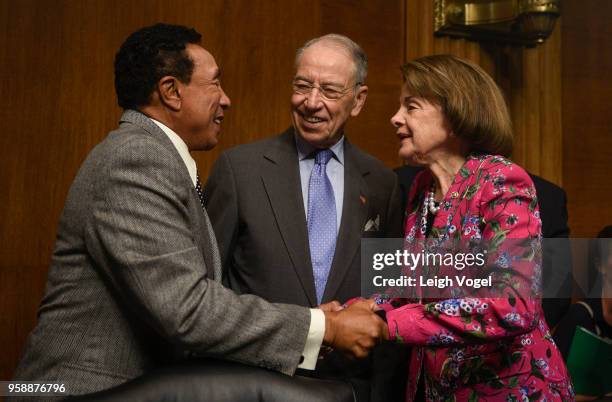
<point>557,271</point>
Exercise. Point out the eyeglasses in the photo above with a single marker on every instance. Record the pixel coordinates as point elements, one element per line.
<point>328,92</point>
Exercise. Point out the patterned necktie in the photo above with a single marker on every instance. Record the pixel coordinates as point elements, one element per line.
<point>211,257</point>
<point>322,226</point>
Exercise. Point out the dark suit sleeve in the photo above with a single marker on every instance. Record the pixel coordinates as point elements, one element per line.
<point>141,228</point>
<point>553,207</point>
<point>557,275</point>
<point>395,212</point>
<point>221,201</point>
<point>405,176</point>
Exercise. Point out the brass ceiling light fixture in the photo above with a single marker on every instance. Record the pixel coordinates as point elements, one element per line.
<point>519,22</point>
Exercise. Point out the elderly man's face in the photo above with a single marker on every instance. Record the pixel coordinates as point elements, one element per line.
<point>319,116</point>
<point>203,102</point>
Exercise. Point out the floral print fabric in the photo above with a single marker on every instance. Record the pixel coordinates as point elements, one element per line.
<point>494,348</point>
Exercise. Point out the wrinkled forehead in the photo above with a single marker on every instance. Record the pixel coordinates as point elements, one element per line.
<point>326,60</point>
<point>203,60</point>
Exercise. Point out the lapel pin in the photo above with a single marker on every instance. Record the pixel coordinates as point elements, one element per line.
<point>362,199</point>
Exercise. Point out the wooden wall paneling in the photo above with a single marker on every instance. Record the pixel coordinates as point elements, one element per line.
<point>529,136</point>
<point>489,58</point>
<point>587,121</point>
<point>529,78</point>
<point>29,86</point>
<point>501,61</point>
<point>551,134</point>
<point>419,29</point>
<point>57,58</point>
<point>516,100</point>
<point>472,51</point>
<point>378,27</point>
<point>457,47</point>
<point>535,106</point>
<point>261,107</point>
<point>426,15</point>
<point>255,48</point>
<point>411,29</point>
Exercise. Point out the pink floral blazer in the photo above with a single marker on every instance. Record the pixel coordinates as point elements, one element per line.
<point>472,348</point>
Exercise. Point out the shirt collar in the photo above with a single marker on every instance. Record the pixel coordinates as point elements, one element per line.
<point>305,150</point>
<point>182,149</point>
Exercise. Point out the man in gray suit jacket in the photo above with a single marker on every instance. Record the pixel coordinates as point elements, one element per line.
<point>134,278</point>
<point>259,195</point>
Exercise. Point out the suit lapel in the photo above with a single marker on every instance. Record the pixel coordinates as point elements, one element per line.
<point>204,236</point>
<point>281,179</point>
<point>355,208</point>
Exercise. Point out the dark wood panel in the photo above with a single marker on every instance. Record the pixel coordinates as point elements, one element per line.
<point>255,47</point>
<point>587,121</point>
<point>56,62</point>
<point>529,78</point>
<point>378,28</point>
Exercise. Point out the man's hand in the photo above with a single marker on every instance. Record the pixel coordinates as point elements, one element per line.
<point>356,329</point>
<point>332,306</point>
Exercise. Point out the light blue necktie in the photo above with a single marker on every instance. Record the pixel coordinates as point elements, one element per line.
<point>322,230</point>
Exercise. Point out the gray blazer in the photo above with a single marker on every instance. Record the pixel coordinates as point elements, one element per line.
<point>254,199</point>
<point>130,282</point>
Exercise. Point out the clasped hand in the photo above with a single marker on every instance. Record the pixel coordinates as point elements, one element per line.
<point>354,330</point>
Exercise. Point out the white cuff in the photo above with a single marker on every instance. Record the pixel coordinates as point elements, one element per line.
<point>314,339</point>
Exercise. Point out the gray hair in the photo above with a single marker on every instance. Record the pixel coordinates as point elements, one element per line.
<point>360,60</point>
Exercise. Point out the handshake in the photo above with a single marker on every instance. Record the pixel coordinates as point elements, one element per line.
<point>354,330</point>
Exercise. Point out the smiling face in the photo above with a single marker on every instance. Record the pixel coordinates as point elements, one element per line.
<point>203,102</point>
<point>424,133</point>
<point>318,120</point>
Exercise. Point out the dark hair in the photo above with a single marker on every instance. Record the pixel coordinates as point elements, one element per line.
<point>469,98</point>
<point>146,56</point>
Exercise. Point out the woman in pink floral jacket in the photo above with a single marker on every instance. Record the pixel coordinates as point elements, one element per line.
<point>494,347</point>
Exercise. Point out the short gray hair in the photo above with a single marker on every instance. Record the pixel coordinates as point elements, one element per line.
<point>359,57</point>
